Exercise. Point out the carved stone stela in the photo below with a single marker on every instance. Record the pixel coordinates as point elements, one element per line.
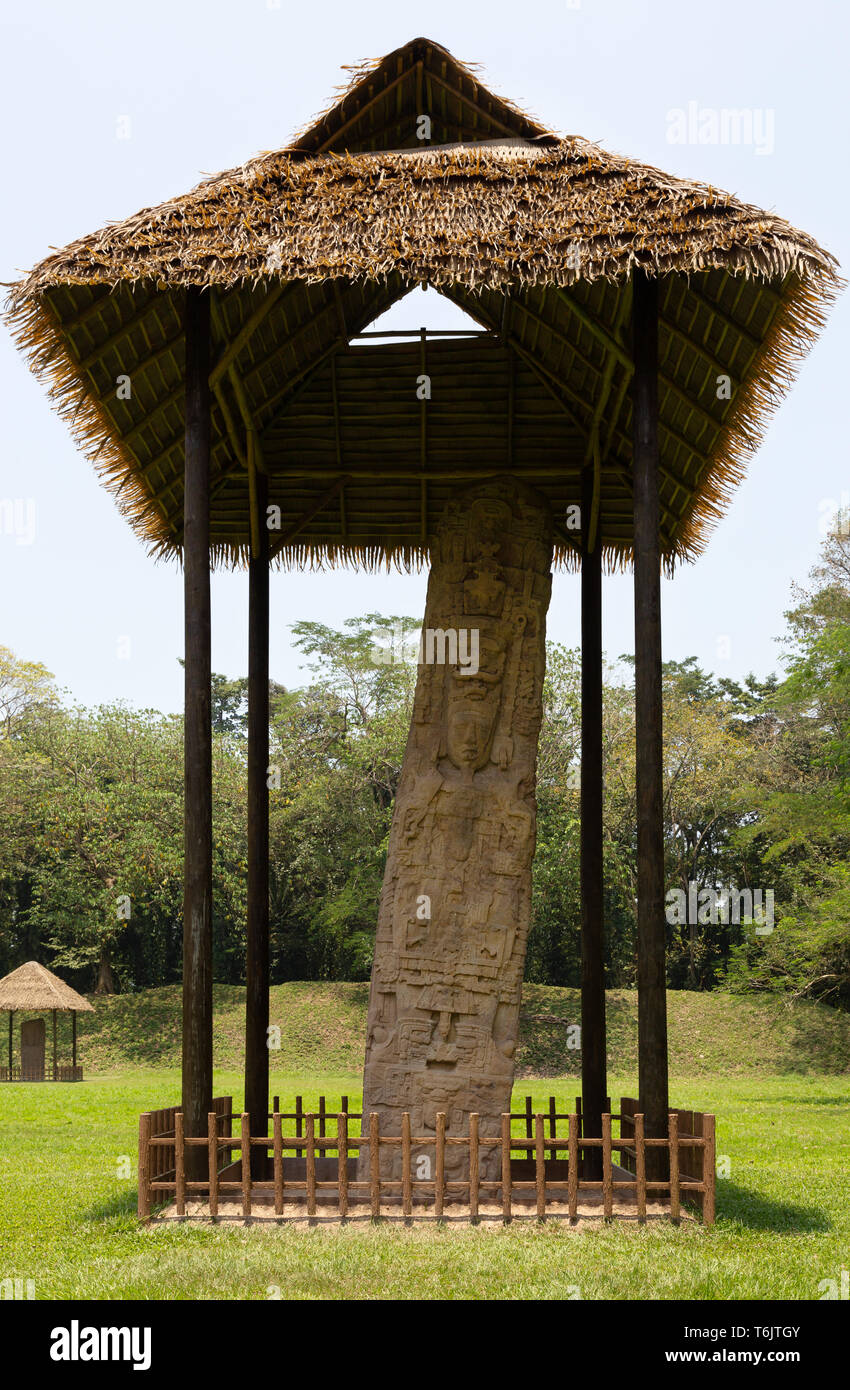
<point>456,901</point>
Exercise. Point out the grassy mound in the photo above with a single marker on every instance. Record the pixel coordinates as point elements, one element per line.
<point>323,1029</point>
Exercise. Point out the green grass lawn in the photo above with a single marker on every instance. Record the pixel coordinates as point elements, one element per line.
<point>67,1215</point>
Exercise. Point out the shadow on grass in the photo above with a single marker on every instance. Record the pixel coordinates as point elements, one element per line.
<point>119,1204</point>
<point>760,1213</point>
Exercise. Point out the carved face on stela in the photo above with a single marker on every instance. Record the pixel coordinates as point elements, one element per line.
<point>474,701</point>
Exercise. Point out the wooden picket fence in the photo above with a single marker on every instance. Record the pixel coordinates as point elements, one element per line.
<point>48,1073</point>
<point>325,1164</point>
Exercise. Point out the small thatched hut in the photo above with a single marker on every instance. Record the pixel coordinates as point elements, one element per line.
<point>33,989</point>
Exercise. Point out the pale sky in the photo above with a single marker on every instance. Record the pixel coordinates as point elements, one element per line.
<point>201,85</point>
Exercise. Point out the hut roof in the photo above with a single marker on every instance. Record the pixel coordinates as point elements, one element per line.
<point>533,235</point>
<point>33,987</point>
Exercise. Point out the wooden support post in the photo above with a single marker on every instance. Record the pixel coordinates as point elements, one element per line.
<point>74,1041</point>
<point>11,1048</point>
<point>651,924</point>
<point>553,1126</point>
<point>593,1040</point>
<point>257,955</point>
<point>144,1205</point>
<point>197,865</point>
<point>55,1072</point>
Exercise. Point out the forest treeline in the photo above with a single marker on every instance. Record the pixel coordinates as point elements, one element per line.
<point>757,796</point>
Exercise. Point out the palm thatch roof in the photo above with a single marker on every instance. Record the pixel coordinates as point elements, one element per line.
<point>536,237</point>
<point>31,988</point>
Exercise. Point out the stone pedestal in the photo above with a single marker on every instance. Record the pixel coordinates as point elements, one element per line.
<point>456,901</point>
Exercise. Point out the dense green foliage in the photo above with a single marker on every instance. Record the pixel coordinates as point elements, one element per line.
<point>756,797</point>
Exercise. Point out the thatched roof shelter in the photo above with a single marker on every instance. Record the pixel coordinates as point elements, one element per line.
<point>31,988</point>
<point>535,236</point>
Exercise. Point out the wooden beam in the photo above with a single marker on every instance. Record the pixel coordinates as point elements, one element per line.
<point>651,924</point>
<point>74,1039</point>
<point>197,870</point>
<point>304,520</point>
<point>245,333</point>
<point>257,932</point>
<point>367,106</point>
<point>256,506</point>
<point>593,1037</point>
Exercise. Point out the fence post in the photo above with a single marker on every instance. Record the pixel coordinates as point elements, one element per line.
<point>553,1126</point>
<point>709,1169</point>
<point>342,1161</point>
<point>406,1159</point>
<point>144,1167</point>
<point>374,1165</point>
<point>640,1168</point>
<point>311,1164</point>
<point>440,1166</point>
<point>506,1167</point>
<point>278,1159</point>
<point>246,1164</point>
<point>473,1167</point>
<point>607,1174</point>
<point>673,1137</point>
<point>212,1154</point>
<point>572,1167</point>
<point>179,1164</point>
<point>539,1170</point>
<point>227,1126</point>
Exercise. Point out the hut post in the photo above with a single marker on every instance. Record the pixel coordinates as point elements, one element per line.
<point>257,958</point>
<point>74,1039</point>
<point>197,869</point>
<point>593,1045</point>
<point>651,926</point>
<point>11,1014</point>
<point>55,1072</point>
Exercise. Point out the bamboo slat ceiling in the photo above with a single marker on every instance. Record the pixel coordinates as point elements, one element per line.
<point>534,236</point>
